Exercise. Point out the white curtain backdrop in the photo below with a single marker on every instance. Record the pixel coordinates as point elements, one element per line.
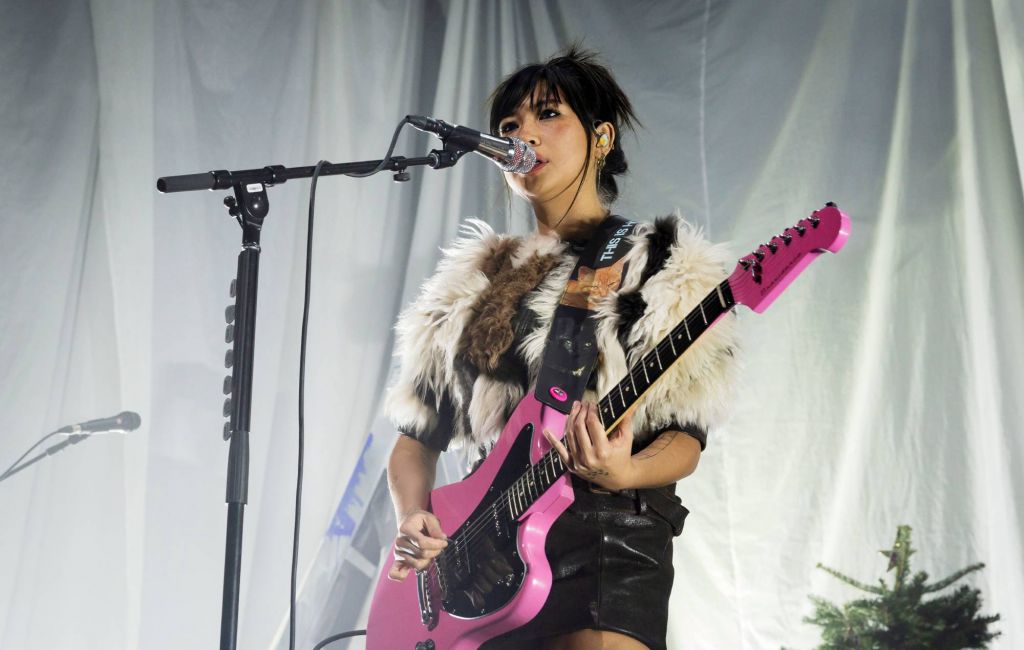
<point>884,388</point>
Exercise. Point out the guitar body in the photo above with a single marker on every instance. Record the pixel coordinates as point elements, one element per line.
<point>426,607</point>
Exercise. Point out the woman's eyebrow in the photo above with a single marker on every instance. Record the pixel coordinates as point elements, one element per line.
<point>548,101</point>
<point>543,103</point>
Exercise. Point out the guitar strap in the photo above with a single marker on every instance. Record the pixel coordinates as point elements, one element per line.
<point>570,354</point>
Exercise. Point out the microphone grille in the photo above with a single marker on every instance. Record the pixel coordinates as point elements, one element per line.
<point>524,158</point>
<point>129,420</point>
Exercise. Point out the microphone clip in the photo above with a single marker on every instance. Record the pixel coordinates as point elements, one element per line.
<point>447,156</point>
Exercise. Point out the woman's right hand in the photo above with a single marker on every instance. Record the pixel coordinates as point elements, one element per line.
<point>420,539</point>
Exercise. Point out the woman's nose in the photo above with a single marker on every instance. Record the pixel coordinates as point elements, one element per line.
<point>528,133</point>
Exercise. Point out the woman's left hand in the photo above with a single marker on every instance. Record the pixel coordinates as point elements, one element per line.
<point>589,452</point>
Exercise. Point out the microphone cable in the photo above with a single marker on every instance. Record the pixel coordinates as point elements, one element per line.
<point>27,452</point>
<point>302,372</point>
<point>338,637</point>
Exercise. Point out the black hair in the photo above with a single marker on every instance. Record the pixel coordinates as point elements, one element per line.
<point>588,87</point>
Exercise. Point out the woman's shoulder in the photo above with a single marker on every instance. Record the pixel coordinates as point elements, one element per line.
<point>673,266</point>
<point>671,249</point>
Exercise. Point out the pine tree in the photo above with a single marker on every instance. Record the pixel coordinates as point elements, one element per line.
<point>897,617</point>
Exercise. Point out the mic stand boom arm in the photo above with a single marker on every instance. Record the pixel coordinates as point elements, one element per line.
<point>276,174</point>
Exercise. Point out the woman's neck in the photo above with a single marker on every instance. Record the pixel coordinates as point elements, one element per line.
<point>575,221</point>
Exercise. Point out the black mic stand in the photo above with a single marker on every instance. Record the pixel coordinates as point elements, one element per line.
<point>250,207</point>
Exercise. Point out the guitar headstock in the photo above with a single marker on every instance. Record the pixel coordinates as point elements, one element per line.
<point>762,275</point>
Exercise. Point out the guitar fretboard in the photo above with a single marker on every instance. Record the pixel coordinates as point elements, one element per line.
<point>649,368</point>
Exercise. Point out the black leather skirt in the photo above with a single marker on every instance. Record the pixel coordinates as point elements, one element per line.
<point>611,564</point>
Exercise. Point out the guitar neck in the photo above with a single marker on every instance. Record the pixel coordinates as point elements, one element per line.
<point>648,369</point>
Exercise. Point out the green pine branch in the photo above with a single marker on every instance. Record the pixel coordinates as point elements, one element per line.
<point>945,582</point>
<point>850,581</point>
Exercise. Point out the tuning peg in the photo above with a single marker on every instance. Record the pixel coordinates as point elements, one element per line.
<point>230,201</point>
<point>229,358</point>
<point>773,247</point>
<point>227,407</point>
<point>746,264</point>
<point>227,385</point>
<point>759,254</point>
<point>814,221</point>
<point>229,333</point>
<point>227,430</point>
<point>830,204</point>
<point>232,289</point>
<point>229,314</point>
<point>788,239</point>
<point>800,230</point>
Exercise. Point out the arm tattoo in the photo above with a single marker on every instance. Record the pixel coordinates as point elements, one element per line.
<point>658,446</point>
<point>594,473</point>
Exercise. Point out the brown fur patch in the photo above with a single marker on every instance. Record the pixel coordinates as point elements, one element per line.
<point>489,332</point>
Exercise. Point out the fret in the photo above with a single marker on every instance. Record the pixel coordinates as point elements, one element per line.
<point>686,326</point>
<point>721,298</point>
<point>658,357</point>
<point>672,345</point>
<point>636,393</point>
<point>607,408</point>
<point>621,398</point>
<point>702,314</point>
<point>644,366</point>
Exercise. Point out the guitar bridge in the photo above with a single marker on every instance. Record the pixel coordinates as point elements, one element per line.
<point>426,589</point>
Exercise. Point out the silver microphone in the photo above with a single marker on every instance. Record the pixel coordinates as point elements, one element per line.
<point>124,421</point>
<point>511,154</point>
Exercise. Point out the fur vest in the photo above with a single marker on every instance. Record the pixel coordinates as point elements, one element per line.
<point>447,393</point>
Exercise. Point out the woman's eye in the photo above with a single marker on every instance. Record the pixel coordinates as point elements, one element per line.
<point>548,112</point>
<point>506,127</point>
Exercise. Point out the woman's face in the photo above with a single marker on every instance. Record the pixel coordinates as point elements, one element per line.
<point>556,134</point>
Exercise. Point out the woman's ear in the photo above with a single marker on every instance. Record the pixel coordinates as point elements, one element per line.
<point>604,134</point>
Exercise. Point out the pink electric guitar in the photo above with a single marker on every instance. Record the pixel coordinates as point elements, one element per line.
<point>500,515</point>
